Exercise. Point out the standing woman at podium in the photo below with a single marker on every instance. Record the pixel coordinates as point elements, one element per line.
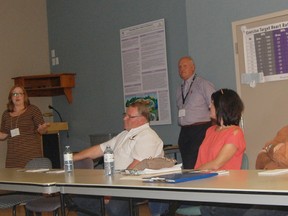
<point>22,125</point>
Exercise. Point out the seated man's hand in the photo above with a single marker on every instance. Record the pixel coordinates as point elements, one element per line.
<point>280,155</point>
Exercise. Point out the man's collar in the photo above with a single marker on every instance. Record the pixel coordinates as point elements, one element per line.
<point>135,131</point>
<point>189,80</point>
<point>146,125</point>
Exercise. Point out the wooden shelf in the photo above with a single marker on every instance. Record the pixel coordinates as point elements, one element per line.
<point>48,85</point>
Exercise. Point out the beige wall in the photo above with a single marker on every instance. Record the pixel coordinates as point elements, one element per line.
<point>266,104</point>
<point>23,50</point>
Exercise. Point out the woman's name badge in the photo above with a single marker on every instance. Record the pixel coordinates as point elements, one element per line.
<point>181,113</point>
<point>15,132</point>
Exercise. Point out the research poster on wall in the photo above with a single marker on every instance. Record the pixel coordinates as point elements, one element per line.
<point>266,51</point>
<point>144,69</point>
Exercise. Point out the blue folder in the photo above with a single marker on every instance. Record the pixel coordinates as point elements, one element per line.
<point>180,177</point>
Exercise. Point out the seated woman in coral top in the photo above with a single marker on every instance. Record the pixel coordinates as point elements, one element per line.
<point>224,143</point>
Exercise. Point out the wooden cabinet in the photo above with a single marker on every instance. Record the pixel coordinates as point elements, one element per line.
<point>48,85</point>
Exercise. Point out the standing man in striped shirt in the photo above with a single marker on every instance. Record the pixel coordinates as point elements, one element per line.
<point>193,100</point>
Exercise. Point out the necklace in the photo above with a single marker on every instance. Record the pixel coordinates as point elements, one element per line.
<point>18,112</point>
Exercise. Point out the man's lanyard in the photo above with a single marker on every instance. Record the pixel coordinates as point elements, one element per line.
<point>182,90</point>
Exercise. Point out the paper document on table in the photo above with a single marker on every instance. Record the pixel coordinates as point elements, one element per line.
<point>273,172</point>
<point>222,172</point>
<point>37,170</point>
<point>163,170</point>
<point>56,171</point>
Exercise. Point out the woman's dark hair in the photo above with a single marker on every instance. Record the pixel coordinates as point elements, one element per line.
<point>228,107</point>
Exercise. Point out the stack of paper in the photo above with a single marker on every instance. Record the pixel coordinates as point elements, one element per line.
<point>163,170</point>
<point>37,170</point>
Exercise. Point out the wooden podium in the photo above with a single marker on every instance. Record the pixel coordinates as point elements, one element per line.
<point>51,143</point>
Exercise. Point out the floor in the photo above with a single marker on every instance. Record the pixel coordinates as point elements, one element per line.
<point>144,211</point>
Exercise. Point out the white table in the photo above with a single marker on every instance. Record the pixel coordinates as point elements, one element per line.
<point>242,186</point>
<point>13,180</point>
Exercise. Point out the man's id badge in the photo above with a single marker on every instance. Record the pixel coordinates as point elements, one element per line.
<point>15,132</point>
<point>181,113</point>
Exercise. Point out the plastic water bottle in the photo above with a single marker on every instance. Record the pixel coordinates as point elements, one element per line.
<point>109,161</point>
<point>68,160</point>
